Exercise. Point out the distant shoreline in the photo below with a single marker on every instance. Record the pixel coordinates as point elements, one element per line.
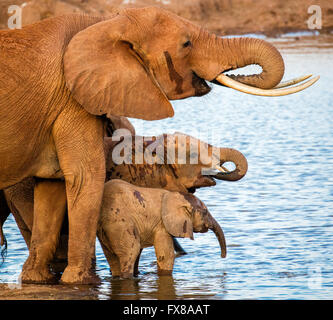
<point>223,17</point>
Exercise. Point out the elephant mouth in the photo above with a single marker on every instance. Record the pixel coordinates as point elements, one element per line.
<point>218,173</point>
<point>200,85</point>
<point>209,178</point>
<point>191,190</point>
<point>201,182</point>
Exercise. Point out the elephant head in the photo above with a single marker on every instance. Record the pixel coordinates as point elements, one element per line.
<point>175,162</point>
<point>133,63</point>
<point>183,214</point>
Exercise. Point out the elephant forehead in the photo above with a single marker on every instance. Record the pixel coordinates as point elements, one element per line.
<point>194,201</point>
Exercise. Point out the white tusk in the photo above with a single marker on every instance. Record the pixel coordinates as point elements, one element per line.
<point>292,81</point>
<point>222,169</point>
<point>225,80</point>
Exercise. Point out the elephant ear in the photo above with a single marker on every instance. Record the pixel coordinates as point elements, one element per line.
<point>176,219</point>
<point>108,73</point>
<point>122,123</point>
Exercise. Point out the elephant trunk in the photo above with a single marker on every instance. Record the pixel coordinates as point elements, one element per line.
<point>2,236</point>
<point>247,51</point>
<point>232,155</point>
<point>216,228</point>
<point>224,54</point>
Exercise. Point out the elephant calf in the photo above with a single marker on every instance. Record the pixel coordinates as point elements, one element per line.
<point>134,217</point>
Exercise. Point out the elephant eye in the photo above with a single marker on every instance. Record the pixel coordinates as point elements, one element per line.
<point>187,44</point>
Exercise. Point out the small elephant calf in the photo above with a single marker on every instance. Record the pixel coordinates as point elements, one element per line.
<point>133,218</point>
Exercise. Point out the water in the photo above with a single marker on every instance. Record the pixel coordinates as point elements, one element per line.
<point>278,220</point>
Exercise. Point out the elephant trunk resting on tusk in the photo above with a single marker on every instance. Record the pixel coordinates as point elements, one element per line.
<point>242,52</point>
<point>275,92</point>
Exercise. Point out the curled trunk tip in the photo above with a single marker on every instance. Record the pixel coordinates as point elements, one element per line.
<point>232,155</point>
<point>235,53</point>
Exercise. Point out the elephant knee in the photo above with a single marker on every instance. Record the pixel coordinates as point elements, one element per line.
<point>83,182</point>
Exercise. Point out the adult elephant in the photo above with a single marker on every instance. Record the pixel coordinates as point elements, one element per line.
<point>186,174</point>
<point>61,78</point>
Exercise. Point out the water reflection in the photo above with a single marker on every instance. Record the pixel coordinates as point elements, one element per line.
<point>162,288</point>
<point>127,289</point>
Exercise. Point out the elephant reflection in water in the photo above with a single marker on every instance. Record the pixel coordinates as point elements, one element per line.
<point>160,288</point>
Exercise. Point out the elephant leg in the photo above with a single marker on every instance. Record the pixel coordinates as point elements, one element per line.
<point>20,200</point>
<point>24,229</point>
<point>127,262</point>
<point>164,251</point>
<point>112,259</point>
<point>114,265</point>
<point>136,266</point>
<point>49,209</point>
<point>59,261</point>
<point>78,138</point>
<point>127,255</point>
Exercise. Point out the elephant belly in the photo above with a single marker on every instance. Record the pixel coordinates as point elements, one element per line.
<point>146,244</point>
<point>14,169</point>
<point>26,157</point>
<point>47,164</point>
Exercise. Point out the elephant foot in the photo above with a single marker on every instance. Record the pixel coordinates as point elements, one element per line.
<point>162,272</point>
<point>58,266</point>
<point>79,276</point>
<point>38,276</point>
<point>126,275</point>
